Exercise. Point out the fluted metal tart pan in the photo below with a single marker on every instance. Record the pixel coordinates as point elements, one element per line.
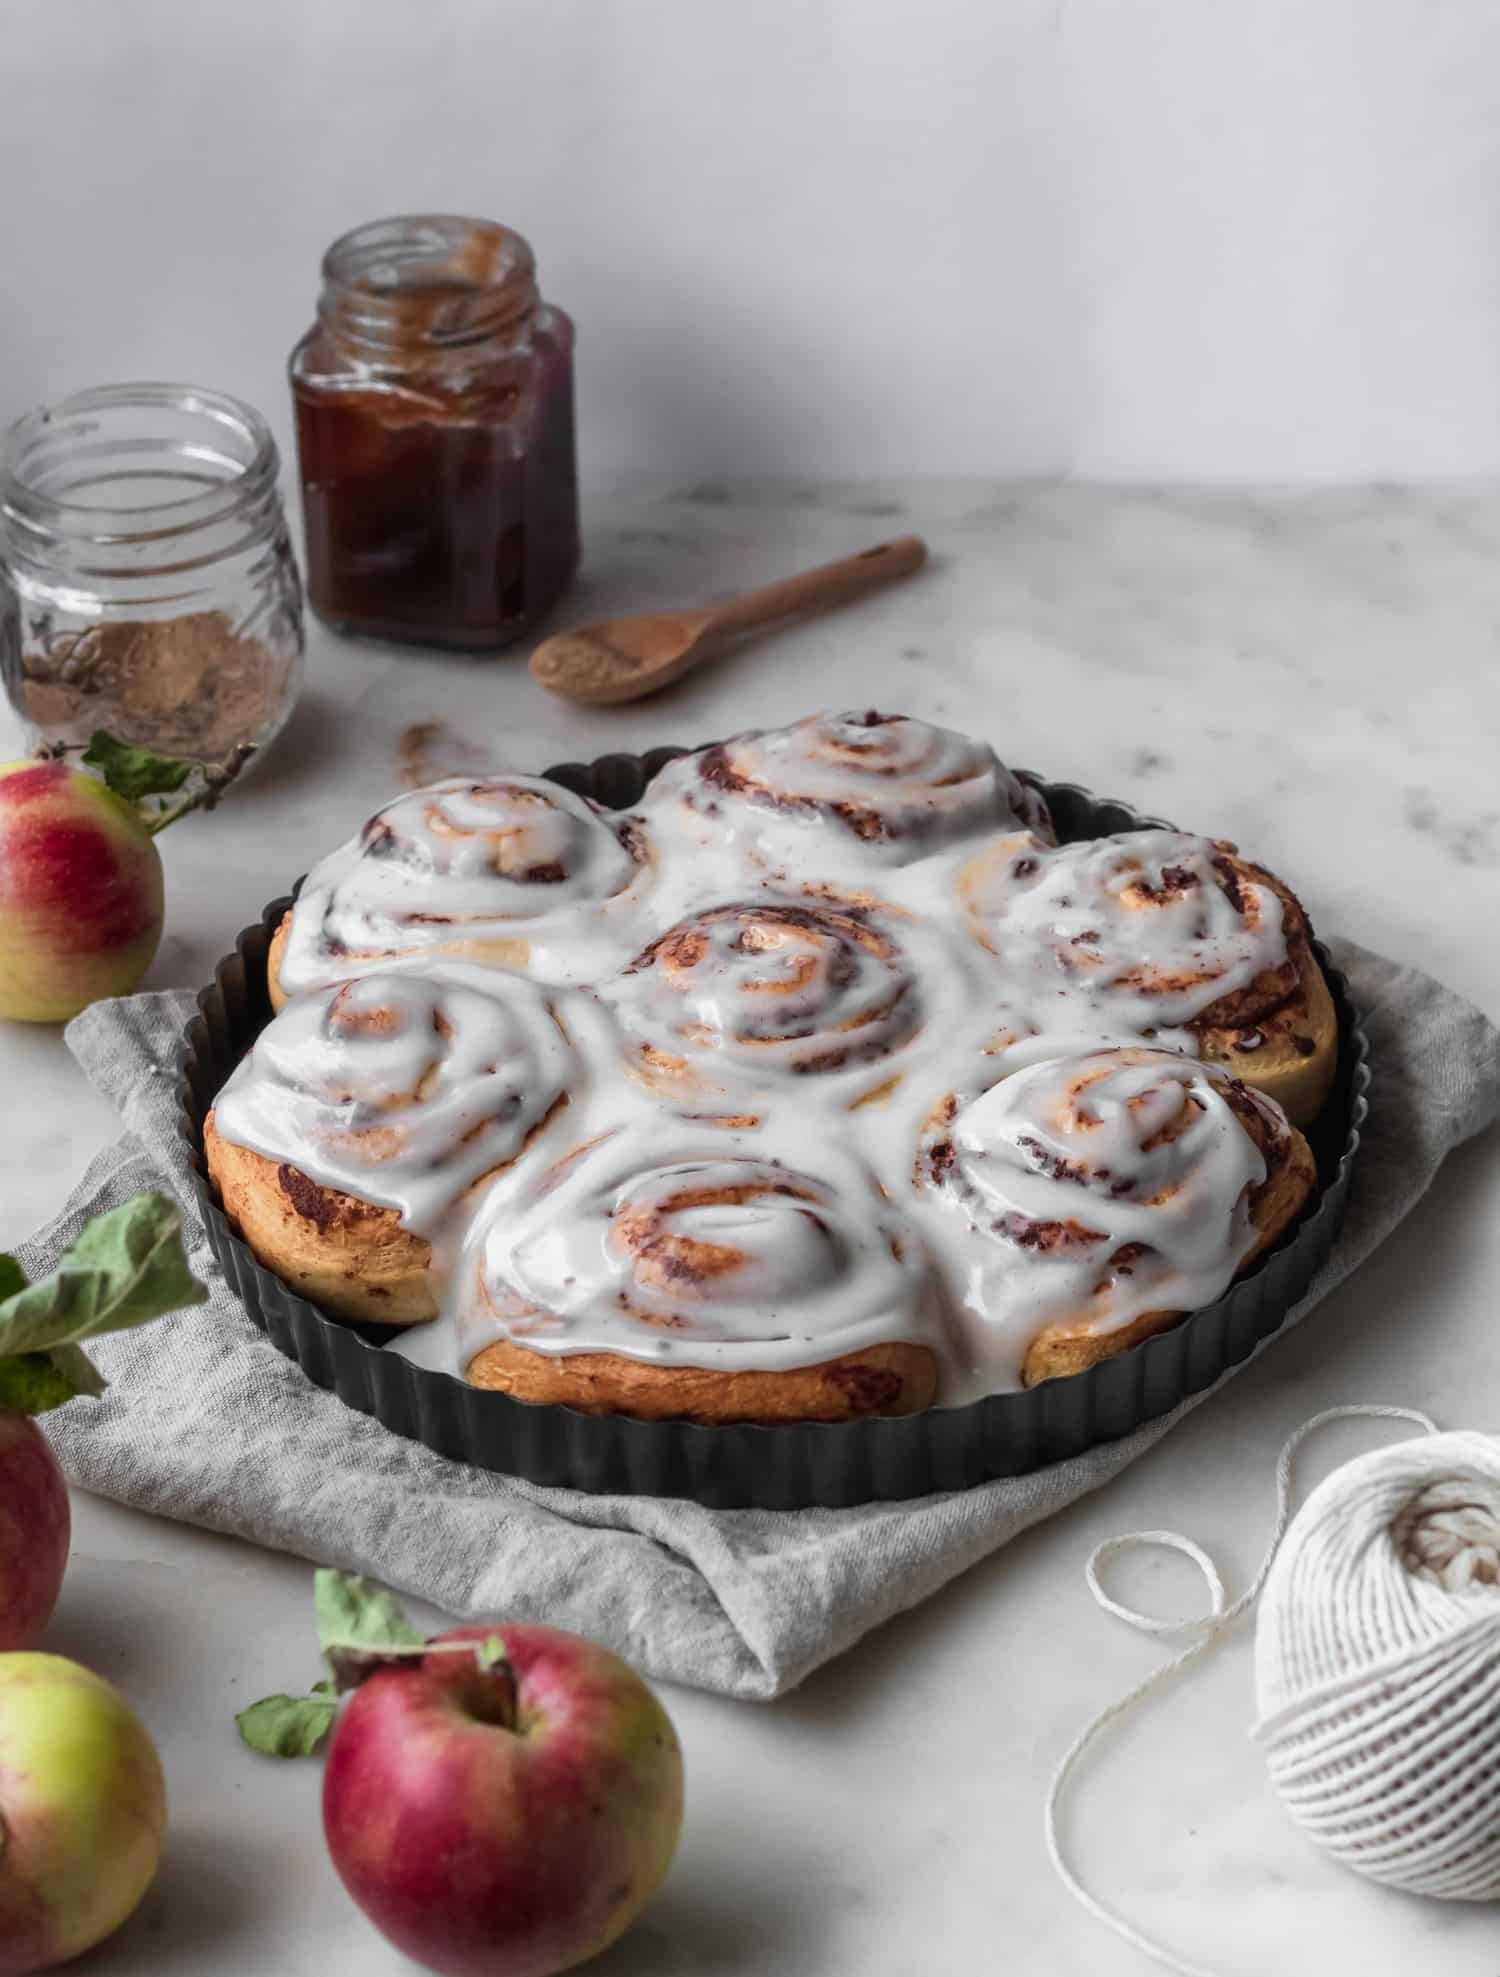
<point>806,1463</point>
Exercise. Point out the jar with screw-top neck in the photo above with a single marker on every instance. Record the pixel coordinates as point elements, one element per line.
<point>434,406</point>
<point>147,583</point>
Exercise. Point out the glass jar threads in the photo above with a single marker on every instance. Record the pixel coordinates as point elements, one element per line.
<point>148,580</point>
<point>434,402</point>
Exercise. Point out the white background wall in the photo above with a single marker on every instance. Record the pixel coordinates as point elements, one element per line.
<point>1202,239</point>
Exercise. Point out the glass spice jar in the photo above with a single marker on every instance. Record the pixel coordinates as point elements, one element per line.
<point>434,401</point>
<point>147,583</point>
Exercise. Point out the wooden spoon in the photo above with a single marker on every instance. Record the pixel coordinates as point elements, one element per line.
<point>627,658</point>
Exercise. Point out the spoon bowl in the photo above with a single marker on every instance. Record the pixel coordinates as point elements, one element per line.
<point>627,658</point>
<point>621,659</point>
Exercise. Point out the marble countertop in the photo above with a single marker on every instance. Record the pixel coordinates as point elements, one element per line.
<point>1315,676</point>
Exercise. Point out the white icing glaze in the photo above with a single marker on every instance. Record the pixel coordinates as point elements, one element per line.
<point>1130,935</point>
<point>790,970</point>
<point>403,1088</point>
<point>1090,1189</point>
<point>504,859</point>
<point>677,1245</point>
<point>835,792</point>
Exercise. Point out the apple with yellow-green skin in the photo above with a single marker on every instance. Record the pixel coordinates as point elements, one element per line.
<point>80,892</point>
<point>83,1807</point>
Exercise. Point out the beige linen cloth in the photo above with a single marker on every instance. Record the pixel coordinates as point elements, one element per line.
<point>206,1421</point>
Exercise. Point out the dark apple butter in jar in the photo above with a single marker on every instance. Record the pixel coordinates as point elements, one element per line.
<point>434,401</point>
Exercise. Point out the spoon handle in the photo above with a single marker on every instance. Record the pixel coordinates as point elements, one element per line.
<point>821,589</point>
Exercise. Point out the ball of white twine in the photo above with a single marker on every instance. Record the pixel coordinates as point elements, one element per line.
<point>1377,1664</point>
<point>1377,1667</point>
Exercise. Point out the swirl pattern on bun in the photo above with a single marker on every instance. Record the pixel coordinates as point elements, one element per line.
<point>723,1285</point>
<point>365,1112</point>
<point>486,868</point>
<point>765,989</point>
<point>1106,1194</point>
<point>883,788</point>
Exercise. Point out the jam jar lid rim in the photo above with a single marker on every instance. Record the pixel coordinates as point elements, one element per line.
<point>462,224</point>
<point>377,313</point>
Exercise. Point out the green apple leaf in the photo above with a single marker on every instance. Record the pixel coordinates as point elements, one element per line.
<point>356,1613</point>
<point>491,1653</point>
<point>289,1726</point>
<point>12,1277</point>
<point>126,1267</point>
<point>75,1366</point>
<point>31,1384</point>
<point>134,772</point>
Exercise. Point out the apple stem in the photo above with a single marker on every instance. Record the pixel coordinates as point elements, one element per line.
<point>494,1702</point>
<point>217,776</point>
<point>352,1661</point>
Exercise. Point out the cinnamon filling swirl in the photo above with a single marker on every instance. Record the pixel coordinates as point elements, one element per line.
<point>466,862</point>
<point>889,788</point>
<point>697,1256</point>
<point>1099,1188</point>
<point>770,990</point>
<point>1137,934</point>
<point>403,1089</point>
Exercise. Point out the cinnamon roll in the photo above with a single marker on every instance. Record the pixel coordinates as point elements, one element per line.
<point>642,1277</point>
<point>1165,936</point>
<point>1102,1197</point>
<point>365,1112</point>
<point>764,990</point>
<point>864,789</point>
<point>514,871</point>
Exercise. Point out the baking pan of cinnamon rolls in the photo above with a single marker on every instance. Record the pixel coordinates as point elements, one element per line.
<point>831,1089</point>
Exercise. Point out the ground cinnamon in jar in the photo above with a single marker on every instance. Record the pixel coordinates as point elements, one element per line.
<point>147,583</point>
<point>191,686</point>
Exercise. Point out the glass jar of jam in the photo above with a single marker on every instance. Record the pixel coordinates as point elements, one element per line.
<point>434,402</point>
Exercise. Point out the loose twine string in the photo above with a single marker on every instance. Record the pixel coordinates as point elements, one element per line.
<point>1208,1628</point>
